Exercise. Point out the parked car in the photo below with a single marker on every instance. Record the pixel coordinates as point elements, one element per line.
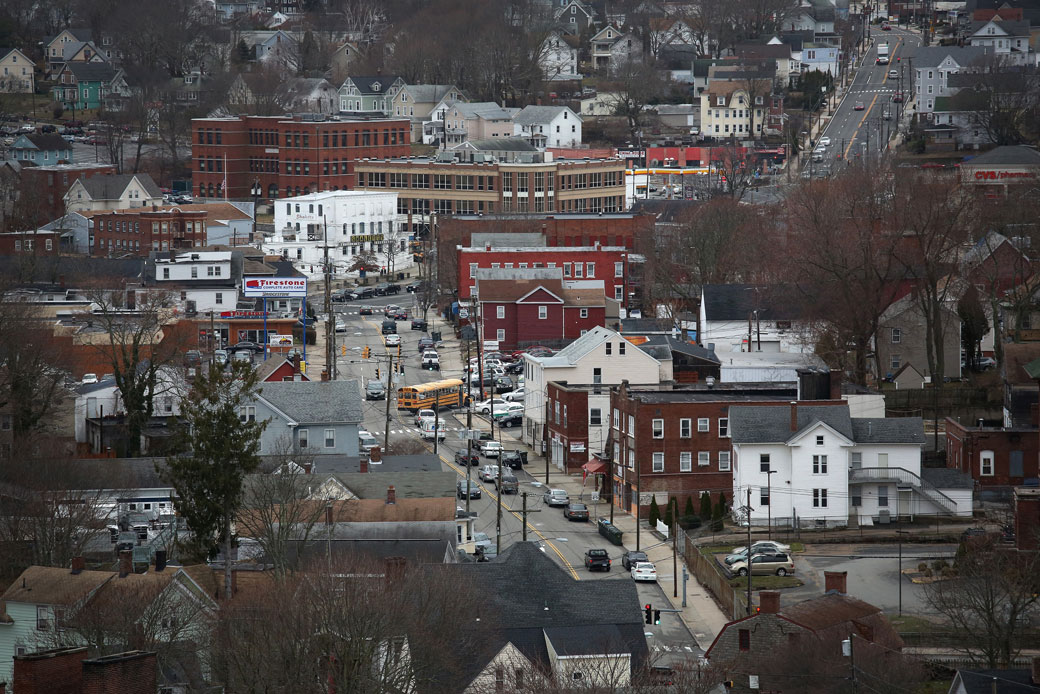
<point>488,473</point>
<point>508,408</point>
<point>251,346</point>
<point>220,357</point>
<point>515,395</point>
<point>339,296</point>
<point>597,560</point>
<point>392,340</point>
<point>763,544</point>
<point>503,384</point>
<point>361,293</point>
<point>485,406</point>
<point>367,442</point>
<point>243,356</point>
<point>89,379</point>
<point>491,449</point>
<point>415,286</point>
<point>579,512</point>
<point>192,357</point>
<point>516,367</point>
<point>460,458</point>
<point>556,497</point>
<point>630,559</point>
<point>375,390</point>
<point>510,420</point>
<point>984,363</point>
<point>514,459</point>
<point>419,324</point>
<point>644,571</point>
<point>825,141</point>
<point>765,564</point>
<point>464,487</point>
<point>484,547</point>
<point>508,484</point>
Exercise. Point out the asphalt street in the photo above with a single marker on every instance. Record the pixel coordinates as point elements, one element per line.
<point>563,540</point>
<point>855,134</point>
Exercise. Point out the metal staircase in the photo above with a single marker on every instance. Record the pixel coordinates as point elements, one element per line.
<point>904,479</point>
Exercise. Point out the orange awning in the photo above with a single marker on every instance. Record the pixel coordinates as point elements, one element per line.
<point>594,466</point>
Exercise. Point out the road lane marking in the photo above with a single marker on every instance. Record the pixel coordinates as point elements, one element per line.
<point>852,137</point>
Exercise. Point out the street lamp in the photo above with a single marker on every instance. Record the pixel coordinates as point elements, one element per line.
<point>899,568</point>
<point>769,506</point>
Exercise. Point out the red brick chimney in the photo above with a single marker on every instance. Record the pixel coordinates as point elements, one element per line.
<point>835,581</point>
<point>308,468</point>
<point>324,374</point>
<point>391,495</point>
<point>78,565</point>
<point>363,464</point>
<point>375,454</point>
<point>133,672</point>
<point>769,601</point>
<point>126,563</point>
<point>835,385</point>
<point>296,363</point>
<point>794,416</point>
<point>57,671</point>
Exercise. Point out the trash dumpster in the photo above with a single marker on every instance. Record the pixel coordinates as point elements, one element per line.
<point>609,531</point>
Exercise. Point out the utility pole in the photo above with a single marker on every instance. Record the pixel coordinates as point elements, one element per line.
<point>437,424</point>
<point>749,550</point>
<point>675,551</point>
<point>523,500</point>
<point>638,500</point>
<point>469,454</point>
<point>389,389</point>
<point>330,317</point>
<point>498,522</point>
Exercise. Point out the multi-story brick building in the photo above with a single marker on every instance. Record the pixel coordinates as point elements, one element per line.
<point>526,307</point>
<point>140,231</point>
<point>606,263</point>
<point>33,242</point>
<point>48,184</point>
<point>270,157</point>
<point>993,456</point>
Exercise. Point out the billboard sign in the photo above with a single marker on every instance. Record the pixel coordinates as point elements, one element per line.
<point>279,340</point>
<point>274,286</point>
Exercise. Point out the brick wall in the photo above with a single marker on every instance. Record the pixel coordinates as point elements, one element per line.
<point>576,428</point>
<point>965,446</point>
<point>56,671</point>
<point>1027,519</point>
<point>123,673</point>
<point>766,633</point>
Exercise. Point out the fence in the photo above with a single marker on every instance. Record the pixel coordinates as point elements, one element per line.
<point>708,574</point>
<point>923,527</point>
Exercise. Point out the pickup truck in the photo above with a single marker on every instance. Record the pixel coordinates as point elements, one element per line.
<point>514,459</point>
<point>597,559</point>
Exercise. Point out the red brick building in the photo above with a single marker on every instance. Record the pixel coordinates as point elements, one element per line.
<point>518,310</point>
<point>606,263</point>
<point>37,242</point>
<point>140,231</point>
<point>993,456</point>
<point>1027,518</point>
<point>287,156</point>
<point>47,185</point>
<point>675,443</point>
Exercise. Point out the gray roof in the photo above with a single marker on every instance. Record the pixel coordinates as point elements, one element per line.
<point>891,430</point>
<point>488,110</point>
<point>1012,27</point>
<point>573,352</point>
<point>407,485</point>
<point>316,402</point>
<point>729,302</point>
<point>92,72</point>
<point>48,142</point>
<point>365,84</point>
<point>535,115</point>
<point>338,464</point>
<point>947,478</point>
<point>1019,681</point>
<point>507,239</point>
<point>683,347</point>
<point>111,186</point>
<point>931,56</point>
<point>773,424</point>
<point>1013,154</point>
<point>428,93</point>
<point>503,144</point>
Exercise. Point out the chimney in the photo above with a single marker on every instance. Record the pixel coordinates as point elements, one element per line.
<point>296,363</point>
<point>363,464</point>
<point>61,283</point>
<point>308,468</point>
<point>769,601</point>
<point>126,563</point>
<point>1035,670</point>
<point>324,374</point>
<point>835,385</point>
<point>160,560</point>
<point>391,495</point>
<point>78,564</point>
<point>375,455</point>
<point>835,581</point>
<point>328,513</point>
<point>794,416</point>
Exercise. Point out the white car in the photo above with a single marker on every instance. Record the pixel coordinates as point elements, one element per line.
<point>424,414</point>
<point>491,449</point>
<point>367,441</point>
<point>893,74</point>
<point>644,571</point>
<point>825,141</point>
<point>341,326</point>
<point>89,378</point>
<point>392,340</point>
<point>508,408</point>
<point>485,406</point>
<point>489,473</point>
<point>517,395</point>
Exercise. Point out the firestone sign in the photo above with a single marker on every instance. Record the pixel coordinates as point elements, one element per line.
<point>274,286</point>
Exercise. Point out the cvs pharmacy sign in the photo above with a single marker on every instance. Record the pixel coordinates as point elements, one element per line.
<point>1002,175</point>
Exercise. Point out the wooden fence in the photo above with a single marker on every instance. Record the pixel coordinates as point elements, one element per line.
<point>710,576</point>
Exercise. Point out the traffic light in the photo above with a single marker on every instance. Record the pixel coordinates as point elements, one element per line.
<point>398,350</point>
<point>728,684</point>
<point>366,352</point>
<point>657,616</point>
<point>343,350</point>
<point>377,373</point>
<point>649,613</point>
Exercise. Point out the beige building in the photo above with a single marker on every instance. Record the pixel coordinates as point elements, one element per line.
<point>478,121</point>
<point>113,192</point>
<point>734,105</point>
<point>16,73</point>
<point>901,340</point>
<point>424,102</point>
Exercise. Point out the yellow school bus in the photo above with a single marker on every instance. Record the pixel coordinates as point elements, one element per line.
<point>448,393</point>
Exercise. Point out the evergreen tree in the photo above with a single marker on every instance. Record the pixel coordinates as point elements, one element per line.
<point>669,515</point>
<point>688,511</point>
<point>655,513</point>
<point>722,503</point>
<point>221,451</point>
<point>705,506</point>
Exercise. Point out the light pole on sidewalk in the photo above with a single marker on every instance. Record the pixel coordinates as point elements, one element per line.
<point>899,568</point>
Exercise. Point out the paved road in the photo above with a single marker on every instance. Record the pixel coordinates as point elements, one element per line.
<point>855,134</point>
<point>562,540</point>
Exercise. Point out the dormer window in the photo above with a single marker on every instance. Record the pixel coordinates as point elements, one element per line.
<point>721,101</point>
<point>376,86</point>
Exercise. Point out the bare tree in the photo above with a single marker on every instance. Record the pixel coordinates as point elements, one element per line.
<point>1004,99</point>
<point>634,84</point>
<point>991,596</point>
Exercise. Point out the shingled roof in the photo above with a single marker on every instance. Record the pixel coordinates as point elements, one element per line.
<point>773,424</point>
<point>310,402</point>
<point>111,186</point>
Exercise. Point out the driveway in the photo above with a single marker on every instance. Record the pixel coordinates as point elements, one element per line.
<point>872,573</point>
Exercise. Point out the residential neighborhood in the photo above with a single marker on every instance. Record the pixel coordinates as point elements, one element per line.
<point>466,347</point>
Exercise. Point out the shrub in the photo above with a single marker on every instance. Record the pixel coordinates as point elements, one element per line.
<point>689,522</point>
<point>922,567</point>
<point>655,513</point>
<point>938,565</point>
<point>668,514</point>
<point>689,510</point>
<point>58,111</point>
<point>927,572</point>
<point>705,505</point>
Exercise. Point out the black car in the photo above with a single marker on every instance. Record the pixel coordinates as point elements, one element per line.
<point>630,559</point>
<point>503,384</point>
<point>393,289</point>
<point>414,286</point>
<point>597,559</point>
<point>508,421</point>
<point>514,459</point>
<point>365,311</point>
<point>361,293</point>
<point>515,368</point>
<point>460,458</point>
<point>425,343</point>
<point>467,485</point>
<point>251,346</point>
<point>419,324</point>
<point>339,296</point>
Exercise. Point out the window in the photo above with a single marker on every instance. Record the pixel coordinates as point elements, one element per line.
<point>583,313</point>
<point>631,426</point>
<point>658,462</point>
<point>882,496</point>
<point>763,496</point>
<point>608,347</point>
<point>43,618</point>
<point>578,269</point>
<point>595,416</point>
<point>247,413</point>
<point>744,639</point>
<point>218,298</point>
<point>763,462</point>
<point>895,361</point>
<point>543,312</point>
<point>330,438</point>
<point>819,465</point>
<point>819,440</point>
<point>855,460</point>
<point>986,463</point>
<point>723,427</point>
<point>703,424</point>
<point>819,498</point>
<point>685,428</point>
<point>723,461</point>
<point>685,461</point>
<point>897,335</point>
<point>500,312</point>
<point>301,436</point>
<point>658,426</point>
<point>617,419</point>
<point>621,347</point>
<point>703,458</point>
<point>855,498</point>
<point>500,334</point>
<point>566,269</point>
<point>166,273</point>
<point>194,273</point>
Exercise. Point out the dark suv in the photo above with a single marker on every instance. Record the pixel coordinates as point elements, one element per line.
<point>460,458</point>
<point>361,293</point>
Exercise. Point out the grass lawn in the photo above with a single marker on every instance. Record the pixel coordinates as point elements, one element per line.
<point>766,582</point>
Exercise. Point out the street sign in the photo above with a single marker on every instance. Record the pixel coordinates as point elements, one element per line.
<point>463,313</point>
<point>491,345</point>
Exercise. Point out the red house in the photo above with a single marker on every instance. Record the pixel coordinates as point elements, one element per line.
<point>993,456</point>
<point>596,262</point>
<point>519,308</point>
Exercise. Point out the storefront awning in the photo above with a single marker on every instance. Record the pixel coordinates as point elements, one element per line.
<point>594,467</point>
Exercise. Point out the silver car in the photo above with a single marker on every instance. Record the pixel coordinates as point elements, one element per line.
<point>556,497</point>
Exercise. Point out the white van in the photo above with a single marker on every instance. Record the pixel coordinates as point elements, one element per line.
<point>427,428</point>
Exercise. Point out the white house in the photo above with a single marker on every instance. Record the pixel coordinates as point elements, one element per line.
<point>558,57</point>
<point>205,280</point>
<point>549,126</point>
<point>16,72</point>
<point>734,315</point>
<point>600,356</point>
<point>1007,39</point>
<point>816,465</point>
<point>113,192</point>
<point>103,399</point>
<point>353,223</point>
